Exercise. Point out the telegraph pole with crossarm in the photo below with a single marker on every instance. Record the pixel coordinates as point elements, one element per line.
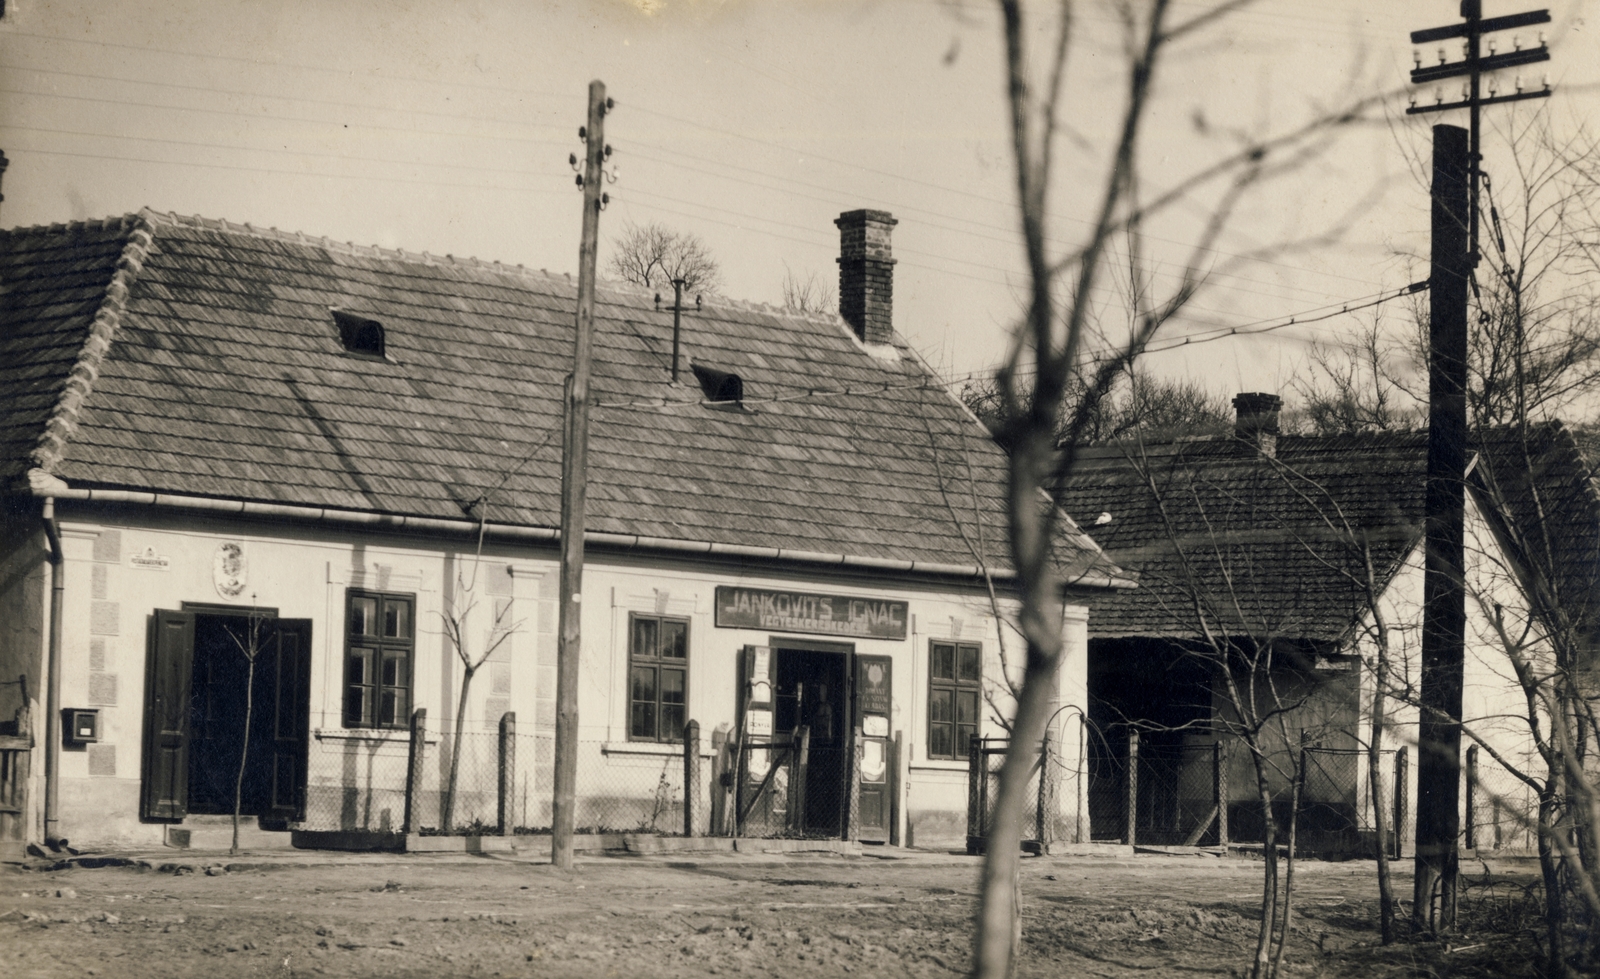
<point>1457,165</point>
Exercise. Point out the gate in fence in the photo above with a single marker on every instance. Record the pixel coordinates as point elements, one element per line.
<point>985,758</point>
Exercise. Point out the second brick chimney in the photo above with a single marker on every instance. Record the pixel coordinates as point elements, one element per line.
<point>1256,420</point>
<point>866,274</point>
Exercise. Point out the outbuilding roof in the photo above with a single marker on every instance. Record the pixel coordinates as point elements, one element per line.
<point>1225,537</point>
<point>205,359</point>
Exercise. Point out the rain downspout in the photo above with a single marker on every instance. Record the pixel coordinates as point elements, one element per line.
<point>52,712</point>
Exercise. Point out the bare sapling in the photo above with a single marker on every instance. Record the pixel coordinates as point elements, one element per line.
<point>250,648</point>
<point>458,618</point>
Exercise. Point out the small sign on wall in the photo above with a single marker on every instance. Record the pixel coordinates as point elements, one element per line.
<point>149,560</point>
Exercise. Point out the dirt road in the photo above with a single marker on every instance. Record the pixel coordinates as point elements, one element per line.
<point>650,917</point>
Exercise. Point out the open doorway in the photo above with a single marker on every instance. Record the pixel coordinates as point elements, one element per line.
<point>811,691</point>
<point>196,691</point>
<point>221,696</point>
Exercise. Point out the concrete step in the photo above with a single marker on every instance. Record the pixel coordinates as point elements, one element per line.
<point>215,833</point>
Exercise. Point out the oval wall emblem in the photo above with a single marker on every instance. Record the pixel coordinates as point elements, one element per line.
<point>228,569</point>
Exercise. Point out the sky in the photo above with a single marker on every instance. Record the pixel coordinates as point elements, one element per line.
<point>445,126</point>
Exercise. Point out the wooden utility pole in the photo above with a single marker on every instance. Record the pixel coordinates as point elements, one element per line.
<point>1444,595</point>
<point>574,469</point>
<point>1456,167</point>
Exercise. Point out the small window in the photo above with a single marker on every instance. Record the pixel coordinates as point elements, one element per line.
<point>360,335</point>
<point>658,678</point>
<point>955,694</point>
<point>377,672</point>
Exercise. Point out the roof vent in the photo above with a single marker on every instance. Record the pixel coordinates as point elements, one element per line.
<point>359,334</point>
<point>718,385</point>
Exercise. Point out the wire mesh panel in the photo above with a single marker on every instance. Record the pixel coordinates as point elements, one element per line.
<point>357,785</point>
<point>1502,811</point>
<point>1330,817</point>
<point>986,758</point>
<point>1176,804</point>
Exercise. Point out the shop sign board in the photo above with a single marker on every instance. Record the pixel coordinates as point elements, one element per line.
<point>794,611</point>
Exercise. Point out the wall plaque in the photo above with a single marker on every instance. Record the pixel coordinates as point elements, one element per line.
<point>794,611</point>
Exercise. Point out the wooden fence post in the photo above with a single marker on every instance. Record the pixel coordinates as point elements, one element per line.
<point>508,772</point>
<point>691,779</point>
<point>1402,765</point>
<point>975,786</point>
<point>1219,789</point>
<point>719,789</point>
<point>414,770</point>
<point>1472,797</point>
<point>1130,833</point>
<point>1045,818</point>
<point>896,786</point>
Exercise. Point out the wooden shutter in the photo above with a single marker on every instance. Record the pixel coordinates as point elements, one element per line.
<point>874,707</point>
<point>291,718</point>
<point>168,664</point>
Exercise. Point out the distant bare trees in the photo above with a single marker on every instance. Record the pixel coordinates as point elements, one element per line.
<point>809,293</point>
<point>1138,403</point>
<point>653,255</point>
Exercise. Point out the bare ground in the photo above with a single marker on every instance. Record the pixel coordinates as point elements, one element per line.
<point>718,916</point>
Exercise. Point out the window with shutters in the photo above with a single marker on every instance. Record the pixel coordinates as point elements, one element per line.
<point>379,638</point>
<point>658,678</point>
<point>955,688</point>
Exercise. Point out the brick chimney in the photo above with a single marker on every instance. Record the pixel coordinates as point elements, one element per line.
<point>1256,421</point>
<point>866,274</point>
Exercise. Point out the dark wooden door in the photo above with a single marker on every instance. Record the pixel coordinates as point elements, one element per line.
<point>168,663</point>
<point>291,727</point>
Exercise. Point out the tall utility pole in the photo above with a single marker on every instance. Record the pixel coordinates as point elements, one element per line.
<point>1456,167</point>
<point>574,469</point>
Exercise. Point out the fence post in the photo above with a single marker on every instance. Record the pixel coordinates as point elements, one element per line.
<point>1401,774</point>
<point>974,797</point>
<point>508,771</point>
<point>1130,835</point>
<point>1045,819</point>
<point>896,786</point>
<point>414,770</point>
<point>1472,797</point>
<point>691,778</point>
<point>719,791</point>
<point>1219,790</point>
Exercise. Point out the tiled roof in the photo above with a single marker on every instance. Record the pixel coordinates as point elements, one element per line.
<point>1251,546</point>
<point>199,357</point>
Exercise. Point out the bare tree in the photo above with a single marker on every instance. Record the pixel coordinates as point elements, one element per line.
<point>810,293</point>
<point>1139,403</point>
<point>249,647</point>
<point>654,256</point>
<point>458,620</point>
<point>1050,343</point>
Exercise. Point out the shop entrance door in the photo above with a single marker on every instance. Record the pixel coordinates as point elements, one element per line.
<point>195,708</point>
<point>811,690</point>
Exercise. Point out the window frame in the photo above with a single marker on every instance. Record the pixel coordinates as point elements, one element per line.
<point>955,685</point>
<point>656,663</point>
<point>376,649</point>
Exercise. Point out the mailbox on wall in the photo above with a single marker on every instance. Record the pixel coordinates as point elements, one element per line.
<point>80,726</point>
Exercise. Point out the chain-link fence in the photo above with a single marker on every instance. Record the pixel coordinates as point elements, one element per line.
<point>357,785</point>
<point>617,791</point>
<point>1501,810</point>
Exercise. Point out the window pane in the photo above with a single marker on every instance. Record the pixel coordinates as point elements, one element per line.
<point>355,706</point>
<point>396,619</point>
<point>389,709</point>
<point>672,682</point>
<point>939,741</point>
<point>394,669</point>
<point>358,671</point>
<point>644,637</point>
<point>672,722</point>
<point>964,735</point>
<point>644,683</point>
<point>969,662</point>
<point>967,707</point>
<point>944,661</point>
<point>643,723</point>
<point>363,616</point>
<point>939,706</point>
<point>675,639</point>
